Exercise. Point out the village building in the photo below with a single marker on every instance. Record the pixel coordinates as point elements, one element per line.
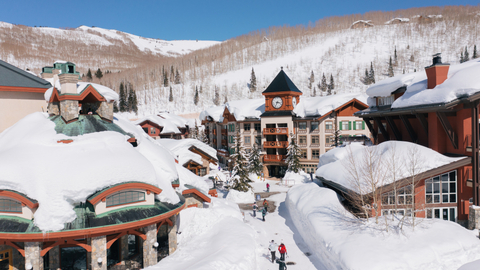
<point>165,125</point>
<point>436,109</point>
<point>361,24</point>
<point>397,21</point>
<point>91,198</point>
<point>21,93</point>
<point>271,122</point>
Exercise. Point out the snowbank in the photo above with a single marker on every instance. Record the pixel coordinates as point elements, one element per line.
<point>335,166</point>
<point>61,175</point>
<point>340,241</point>
<point>301,177</point>
<point>109,94</point>
<point>313,106</point>
<point>240,197</point>
<point>212,238</point>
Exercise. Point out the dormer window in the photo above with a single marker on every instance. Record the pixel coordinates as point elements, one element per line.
<point>383,101</point>
<point>125,197</point>
<point>11,206</point>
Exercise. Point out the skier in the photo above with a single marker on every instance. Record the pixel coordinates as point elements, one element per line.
<point>255,208</point>
<point>281,265</point>
<point>264,213</point>
<point>273,248</point>
<point>268,187</point>
<point>283,250</point>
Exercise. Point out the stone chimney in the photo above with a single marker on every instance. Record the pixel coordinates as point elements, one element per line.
<point>437,73</point>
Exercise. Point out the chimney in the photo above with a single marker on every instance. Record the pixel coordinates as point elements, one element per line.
<point>437,73</point>
<point>68,78</point>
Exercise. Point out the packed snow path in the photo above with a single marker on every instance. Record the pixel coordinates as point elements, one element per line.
<point>278,227</point>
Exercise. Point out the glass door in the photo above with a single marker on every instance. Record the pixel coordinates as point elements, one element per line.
<point>6,260</point>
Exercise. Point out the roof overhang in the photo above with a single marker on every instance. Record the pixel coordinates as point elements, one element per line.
<point>113,189</point>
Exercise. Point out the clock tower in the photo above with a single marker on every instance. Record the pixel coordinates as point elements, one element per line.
<point>281,96</point>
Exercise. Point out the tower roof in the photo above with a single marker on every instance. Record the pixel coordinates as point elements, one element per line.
<point>281,83</point>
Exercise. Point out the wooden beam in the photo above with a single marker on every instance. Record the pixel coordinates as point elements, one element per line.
<point>14,245</point>
<point>112,240</point>
<point>160,225</point>
<point>409,128</point>
<point>423,122</point>
<point>475,146</point>
<point>137,233</point>
<point>394,128</point>
<point>46,248</point>
<point>384,132</point>
<point>372,130</point>
<point>448,129</point>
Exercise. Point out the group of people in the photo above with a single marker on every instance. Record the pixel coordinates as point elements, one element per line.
<point>264,209</point>
<point>282,250</point>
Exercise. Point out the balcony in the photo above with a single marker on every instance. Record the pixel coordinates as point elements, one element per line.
<point>224,142</point>
<point>224,132</point>
<point>275,131</point>
<point>302,131</point>
<point>275,144</point>
<point>329,131</point>
<point>274,158</point>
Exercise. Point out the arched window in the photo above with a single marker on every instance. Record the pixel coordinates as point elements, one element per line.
<point>125,197</point>
<point>7,205</point>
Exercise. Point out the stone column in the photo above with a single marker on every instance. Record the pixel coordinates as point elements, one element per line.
<point>99,250</point>
<point>149,251</point>
<point>32,255</point>
<point>172,235</point>
<point>473,217</point>
<point>69,109</point>
<point>54,257</point>
<point>123,248</point>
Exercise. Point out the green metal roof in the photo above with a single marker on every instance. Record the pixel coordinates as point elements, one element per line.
<point>281,83</point>
<point>84,125</point>
<point>192,187</point>
<point>12,76</point>
<point>109,187</point>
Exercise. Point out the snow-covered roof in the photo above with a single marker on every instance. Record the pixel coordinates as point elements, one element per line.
<point>61,175</point>
<point>462,81</point>
<point>107,93</point>
<point>336,167</point>
<point>247,108</point>
<point>398,19</point>
<point>175,119</point>
<point>316,106</point>
<point>369,22</point>
<point>168,126</point>
<point>180,148</point>
<point>215,113</point>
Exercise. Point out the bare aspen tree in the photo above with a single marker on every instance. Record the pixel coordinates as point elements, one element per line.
<point>414,166</point>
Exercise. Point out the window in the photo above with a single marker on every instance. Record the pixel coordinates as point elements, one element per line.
<point>309,168</point>
<point>7,205</point>
<point>315,140</point>
<point>302,140</point>
<point>329,140</point>
<point>125,197</point>
<point>258,140</point>
<point>345,125</point>
<point>328,125</point>
<point>231,127</point>
<point>442,188</point>
<point>257,127</point>
<point>152,130</point>
<point>359,125</point>
<point>231,139</point>
<point>315,153</point>
<point>302,125</point>
<point>246,126</point>
<point>445,213</point>
<point>247,140</point>
<point>314,126</point>
<point>382,101</point>
<point>203,171</point>
<point>404,196</point>
<point>145,129</point>
<point>303,153</point>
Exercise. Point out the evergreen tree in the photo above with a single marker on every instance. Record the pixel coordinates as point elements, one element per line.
<point>466,56</point>
<point>475,55</point>
<point>254,161</point>
<point>412,58</point>
<point>293,156</point>
<point>89,75</point>
<point>239,172</point>
<point>216,99</point>
<point>395,57</point>
<point>195,98</point>
<point>132,103</point>
<point>177,77</point>
<point>253,82</point>
<point>172,74</point>
<point>323,84</point>
<point>165,79</point>
<point>123,99</point>
<point>314,91</point>
<point>115,107</point>
<point>336,133</point>
<point>365,80</point>
<point>390,68</point>
<point>331,85</point>
<point>99,74</point>
<point>311,80</point>
<point>461,57</point>
<point>371,74</point>
<point>170,97</point>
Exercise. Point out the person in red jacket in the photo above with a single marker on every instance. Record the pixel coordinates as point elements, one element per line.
<point>283,250</point>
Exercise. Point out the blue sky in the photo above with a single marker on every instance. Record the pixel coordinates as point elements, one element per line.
<point>193,19</point>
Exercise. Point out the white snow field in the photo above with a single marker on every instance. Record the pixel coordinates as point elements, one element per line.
<point>340,241</point>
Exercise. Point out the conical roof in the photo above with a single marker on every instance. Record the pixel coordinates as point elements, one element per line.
<point>281,83</point>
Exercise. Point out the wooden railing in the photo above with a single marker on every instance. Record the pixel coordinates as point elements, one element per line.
<point>275,144</point>
<point>275,131</point>
<point>224,132</point>
<point>274,158</point>
<point>224,142</point>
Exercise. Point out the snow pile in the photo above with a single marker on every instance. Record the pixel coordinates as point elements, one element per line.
<point>177,120</point>
<point>249,108</point>
<point>180,148</point>
<point>335,165</point>
<point>300,177</point>
<point>240,197</point>
<point>340,241</point>
<point>216,113</point>
<point>314,106</point>
<point>461,82</point>
<point>212,238</point>
<point>167,126</point>
<point>61,175</point>
<point>109,94</point>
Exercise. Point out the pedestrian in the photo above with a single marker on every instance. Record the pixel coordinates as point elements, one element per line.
<point>311,176</point>
<point>263,178</point>
<point>281,264</point>
<point>273,248</point>
<point>283,250</point>
<point>264,213</point>
<point>255,208</point>
<point>268,187</point>
<point>265,203</point>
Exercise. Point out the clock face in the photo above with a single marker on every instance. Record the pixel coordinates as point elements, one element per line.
<point>294,102</point>
<point>277,102</point>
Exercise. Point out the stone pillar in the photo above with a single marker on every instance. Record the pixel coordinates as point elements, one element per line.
<point>473,217</point>
<point>123,248</point>
<point>32,255</point>
<point>54,257</point>
<point>99,250</point>
<point>69,109</point>
<point>149,251</point>
<point>172,235</point>
<point>105,110</point>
